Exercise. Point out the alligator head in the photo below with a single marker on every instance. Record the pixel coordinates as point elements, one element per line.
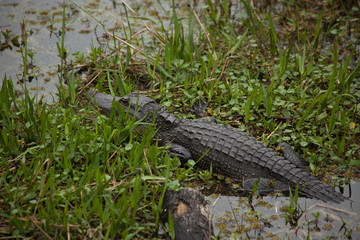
<point>138,105</point>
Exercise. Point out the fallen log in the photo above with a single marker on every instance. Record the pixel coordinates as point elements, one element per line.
<point>190,214</point>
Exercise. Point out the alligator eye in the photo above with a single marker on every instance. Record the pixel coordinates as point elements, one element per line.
<point>123,101</point>
<point>169,121</point>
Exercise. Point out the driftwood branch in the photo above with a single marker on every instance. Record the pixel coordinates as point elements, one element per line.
<point>189,213</point>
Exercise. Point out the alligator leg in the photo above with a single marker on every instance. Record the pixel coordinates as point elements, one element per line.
<point>200,108</point>
<point>179,151</point>
<point>205,119</point>
<point>291,155</point>
<point>267,185</point>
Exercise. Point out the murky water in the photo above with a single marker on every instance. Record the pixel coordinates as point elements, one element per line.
<point>38,15</point>
<point>233,216</point>
<point>43,23</point>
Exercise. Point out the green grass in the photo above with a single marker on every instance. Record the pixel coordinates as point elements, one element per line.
<point>69,171</point>
<point>66,170</point>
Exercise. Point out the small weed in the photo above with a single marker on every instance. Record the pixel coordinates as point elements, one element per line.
<point>8,40</point>
<point>293,211</point>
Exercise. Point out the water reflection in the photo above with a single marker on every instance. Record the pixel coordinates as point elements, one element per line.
<point>233,216</point>
<point>43,24</point>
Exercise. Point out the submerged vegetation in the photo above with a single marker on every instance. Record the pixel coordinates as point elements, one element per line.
<point>288,71</point>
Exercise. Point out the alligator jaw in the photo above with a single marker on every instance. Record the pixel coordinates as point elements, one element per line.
<point>103,101</point>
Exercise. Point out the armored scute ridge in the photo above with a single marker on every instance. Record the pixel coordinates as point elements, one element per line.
<point>230,152</point>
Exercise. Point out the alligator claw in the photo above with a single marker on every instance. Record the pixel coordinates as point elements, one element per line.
<point>291,155</point>
<point>179,151</point>
<point>200,108</point>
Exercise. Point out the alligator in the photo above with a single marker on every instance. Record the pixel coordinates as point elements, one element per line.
<point>226,150</point>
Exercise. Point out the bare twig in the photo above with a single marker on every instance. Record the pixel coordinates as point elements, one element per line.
<point>206,34</point>
<point>120,39</point>
<point>38,226</point>
<point>211,213</point>
<point>322,206</point>
<point>268,137</point>
<point>222,72</point>
<point>43,183</point>
<point>32,182</point>
<point>93,79</point>
<point>147,163</point>
<point>68,232</point>
<point>146,26</point>
<point>131,46</point>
